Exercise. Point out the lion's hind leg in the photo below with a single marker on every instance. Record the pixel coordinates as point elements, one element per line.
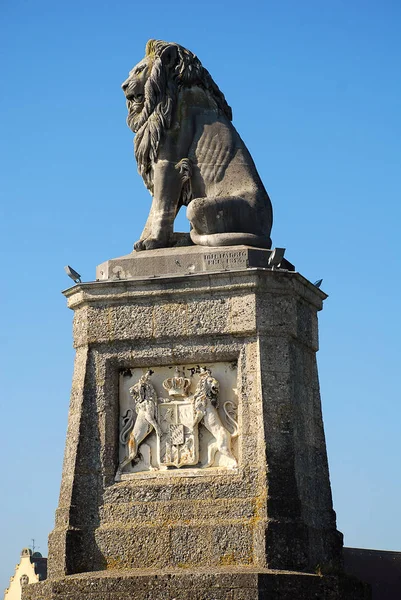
<point>211,453</point>
<point>131,455</point>
<point>140,431</point>
<point>226,451</point>
<point>227,221</point>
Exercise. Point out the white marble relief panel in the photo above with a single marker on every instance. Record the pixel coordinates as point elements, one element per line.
<point>178,417</point>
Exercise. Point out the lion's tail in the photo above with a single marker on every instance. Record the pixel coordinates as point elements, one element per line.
<point>229,418</point>
<point>128,424</point>
<point>230,239</point>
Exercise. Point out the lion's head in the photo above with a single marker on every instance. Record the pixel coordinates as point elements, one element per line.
<point>151,91</point>
<point>208,387</point>
<point>143,389</point>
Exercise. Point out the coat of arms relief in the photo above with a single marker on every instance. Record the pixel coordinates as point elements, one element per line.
<point>188,419</point>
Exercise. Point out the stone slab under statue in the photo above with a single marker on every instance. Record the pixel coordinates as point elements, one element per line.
<point>186,261</point>
<point>195,465</point>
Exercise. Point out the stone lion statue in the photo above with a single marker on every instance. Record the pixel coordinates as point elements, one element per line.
<point>190,154</point>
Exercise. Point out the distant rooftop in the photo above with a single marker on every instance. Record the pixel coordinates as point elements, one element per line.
<point>31,568</point>
<point>380,568</point>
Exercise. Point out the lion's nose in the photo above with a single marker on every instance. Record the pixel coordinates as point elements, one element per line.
<point>124,86</point>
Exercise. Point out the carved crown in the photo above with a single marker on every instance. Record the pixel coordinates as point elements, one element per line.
<point>177,385</point>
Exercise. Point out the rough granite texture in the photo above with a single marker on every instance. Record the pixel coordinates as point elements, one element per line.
<point>230,585</point>
<point>221,532</point>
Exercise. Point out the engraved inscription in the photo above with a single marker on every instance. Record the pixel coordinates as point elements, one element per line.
<point>226,260</point>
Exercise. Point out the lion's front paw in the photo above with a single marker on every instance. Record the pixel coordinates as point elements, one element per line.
<point>150,244</point>
<point>139,245</point>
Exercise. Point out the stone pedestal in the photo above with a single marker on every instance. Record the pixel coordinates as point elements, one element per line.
<point>257,523</point>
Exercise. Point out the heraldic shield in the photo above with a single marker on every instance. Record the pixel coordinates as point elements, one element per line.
<point>178,442</point>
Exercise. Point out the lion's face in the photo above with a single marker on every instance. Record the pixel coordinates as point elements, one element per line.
<point>134,90</point>
<point>134,391</point>
<point>211,388</point>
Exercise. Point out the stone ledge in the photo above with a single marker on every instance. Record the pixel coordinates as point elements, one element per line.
<point>184,261</point>
<point>207,584</point>
<point>233,282</point>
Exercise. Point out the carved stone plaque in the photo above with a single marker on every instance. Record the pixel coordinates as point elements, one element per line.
<point>177,417</point>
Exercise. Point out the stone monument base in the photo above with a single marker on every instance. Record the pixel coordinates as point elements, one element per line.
<point>230,584</point>
<point>234,504</point>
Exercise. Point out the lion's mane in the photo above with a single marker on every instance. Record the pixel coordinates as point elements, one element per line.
<point>161,92</point>
<point>203,392</point>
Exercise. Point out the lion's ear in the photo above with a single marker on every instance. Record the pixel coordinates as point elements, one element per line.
<point>169,56</point>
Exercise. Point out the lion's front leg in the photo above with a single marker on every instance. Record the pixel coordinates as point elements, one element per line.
<point>146,233</point>
<point>167,190</point>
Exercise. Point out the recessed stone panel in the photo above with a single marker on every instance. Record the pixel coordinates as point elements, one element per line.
<point>178,417</point>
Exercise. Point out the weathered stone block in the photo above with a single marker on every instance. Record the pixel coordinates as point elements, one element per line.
<point>208,316</point>
<point>170,320</point>
<point>230,584</point>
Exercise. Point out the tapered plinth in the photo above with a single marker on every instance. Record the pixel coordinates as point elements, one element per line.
<point>271,511</point>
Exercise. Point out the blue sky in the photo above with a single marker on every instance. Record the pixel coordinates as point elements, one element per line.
<point>315,91</point>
